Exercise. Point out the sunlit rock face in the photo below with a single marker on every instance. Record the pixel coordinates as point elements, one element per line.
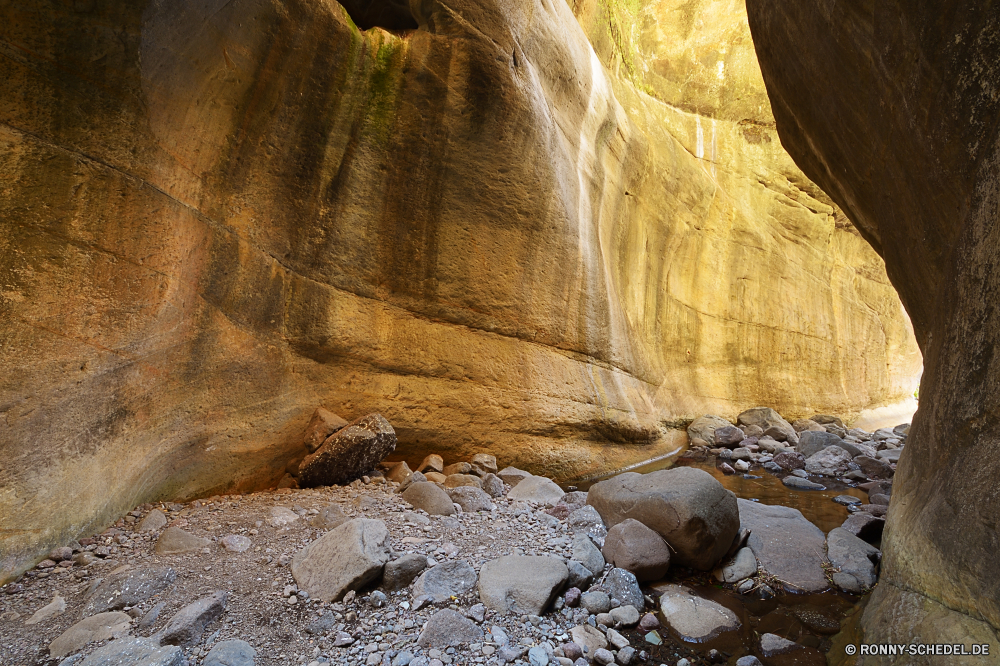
<point>892,108</point>
<point>217,216</point>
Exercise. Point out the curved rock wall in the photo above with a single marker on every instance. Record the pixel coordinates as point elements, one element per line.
<point>892,107</point>
<point>216,216</point>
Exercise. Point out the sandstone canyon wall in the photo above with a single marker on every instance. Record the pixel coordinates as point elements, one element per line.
<point>215,216</point>
<point>893,107</point>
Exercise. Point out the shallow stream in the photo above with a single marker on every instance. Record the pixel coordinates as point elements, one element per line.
<point>808,619</point>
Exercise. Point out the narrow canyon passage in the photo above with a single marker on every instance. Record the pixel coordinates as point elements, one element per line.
<point>564,236</point>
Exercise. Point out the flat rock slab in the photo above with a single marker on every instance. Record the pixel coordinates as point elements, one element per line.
<point>343,559</point>
<point>279,516</point>
<point>322,424</point>
<point>98,627</point>
<point>693,618</point>
<point>130,588</point>
<point>186,627</point>
<point>444,581</point>
<point>349,453</point>
<point>230,653</point>
<point>135,652</point>
<point>521,584</point>
<point>688,507</point>
<point>772,645</point>
<point>446,628</point>
<point>55,607</point>
<point>329,517</point>
<point>786,544</point>
<point>429,497</point>
<point>538,489</point>
<point>799,483</point>
<point>853,556</point>
<point>174,541</point>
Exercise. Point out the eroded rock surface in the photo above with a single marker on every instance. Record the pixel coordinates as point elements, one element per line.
<point>177,302</point>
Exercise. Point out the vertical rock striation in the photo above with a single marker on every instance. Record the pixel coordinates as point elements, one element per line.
<point>892,108</point>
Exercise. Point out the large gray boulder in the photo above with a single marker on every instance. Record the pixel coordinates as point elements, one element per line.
<point>814,441</point>
<point>430,497</point>
<point>343,559</point>
<point>444,581</point>
<point>853,556</point>
<point>831,461</point>
<point>766,419</point>
<point>623,586</point>
<point>694,618</point>
<point>348,453</point>
<point>688,507</point>
<point>786,545</point>
<point>704,428</point>
<point>135,652</point>
<point>521,584</point>
<point>633,546</point>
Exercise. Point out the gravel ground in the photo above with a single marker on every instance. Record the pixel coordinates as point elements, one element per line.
<point>263,606</point>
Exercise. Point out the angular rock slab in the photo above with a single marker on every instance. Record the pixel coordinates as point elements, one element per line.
<point>175,541</point>
<point>587,554</point>
<point>853,556</point>
<point>98,627</point>
<point>512,475</point>
<point>349,453</point>
<point>688,507</point>
<point>322,424</point>
<point>521,584</point>
<point>188,624</point>
<point>446,628</point>
<point>135,652</point>
<point>786,545</point>
<point>538,489</point>
<point>633,546</point>
<point>694,618</point>
<point>343,559</point>
<point>442,582</point>
<point>130,588</point>
<point>623,586</point>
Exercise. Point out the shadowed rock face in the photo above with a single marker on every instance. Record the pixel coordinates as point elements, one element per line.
<point>892,108</point>
<point>216,216</point>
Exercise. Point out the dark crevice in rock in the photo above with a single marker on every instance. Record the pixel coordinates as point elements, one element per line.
<point>391,15</point>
